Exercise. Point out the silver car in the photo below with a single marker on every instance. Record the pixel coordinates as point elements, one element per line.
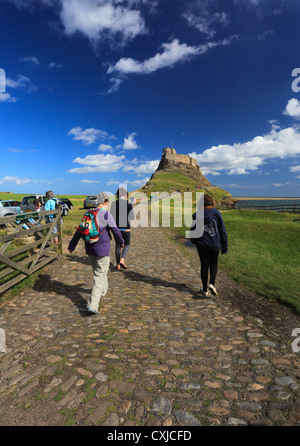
<point>90,202</point>
<point>27,202</point>
<point>5,211</point>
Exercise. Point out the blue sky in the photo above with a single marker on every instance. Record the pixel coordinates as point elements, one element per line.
<point>95,89</point>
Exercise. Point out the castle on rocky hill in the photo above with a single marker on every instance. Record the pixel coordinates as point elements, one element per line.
<point>185,164</point>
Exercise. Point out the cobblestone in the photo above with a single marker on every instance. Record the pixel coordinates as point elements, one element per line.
<point>155,354</point>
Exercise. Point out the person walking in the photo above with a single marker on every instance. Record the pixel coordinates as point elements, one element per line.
<point>213,240</point>
<point>50,206</point>
<point>121,210</point>
<point>99,252</point>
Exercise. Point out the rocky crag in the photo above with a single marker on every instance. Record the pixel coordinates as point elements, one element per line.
<point>186,175</point>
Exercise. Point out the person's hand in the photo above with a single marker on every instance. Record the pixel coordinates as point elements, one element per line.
<point>122,246</point>
<point>70,250</point>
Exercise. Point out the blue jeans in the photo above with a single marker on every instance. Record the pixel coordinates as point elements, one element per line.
<point>123,254</point>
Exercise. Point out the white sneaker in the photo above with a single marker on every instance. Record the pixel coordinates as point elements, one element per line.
<point>213,289</point>
<point>204,293</point>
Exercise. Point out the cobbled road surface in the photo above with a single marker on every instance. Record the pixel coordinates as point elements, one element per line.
<point>156,354</point>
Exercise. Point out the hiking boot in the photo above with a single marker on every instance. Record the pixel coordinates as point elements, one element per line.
<point>213,289</point>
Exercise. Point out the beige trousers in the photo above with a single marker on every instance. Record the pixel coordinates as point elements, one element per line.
<point>100,267</point>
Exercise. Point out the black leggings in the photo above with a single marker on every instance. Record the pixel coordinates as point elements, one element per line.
<point>209,261</point>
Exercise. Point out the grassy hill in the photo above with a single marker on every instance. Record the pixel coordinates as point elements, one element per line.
<point>175,181</point>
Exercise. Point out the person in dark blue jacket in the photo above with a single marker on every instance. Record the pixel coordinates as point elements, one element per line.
<point>213,240</point>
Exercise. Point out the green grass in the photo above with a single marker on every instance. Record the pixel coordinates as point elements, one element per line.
<point>173,181</point>
<point>263,253</point>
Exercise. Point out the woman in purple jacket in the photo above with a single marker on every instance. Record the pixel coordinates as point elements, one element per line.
<point>99,252</point>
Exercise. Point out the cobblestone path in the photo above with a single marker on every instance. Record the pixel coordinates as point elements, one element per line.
<point>155,355</point>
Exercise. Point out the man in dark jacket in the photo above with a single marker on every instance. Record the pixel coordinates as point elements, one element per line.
<point>99,252</point>
<point>213,240</point>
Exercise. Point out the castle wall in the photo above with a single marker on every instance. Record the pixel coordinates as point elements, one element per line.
<point>176,158</point>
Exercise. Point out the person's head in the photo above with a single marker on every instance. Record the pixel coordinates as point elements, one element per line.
<point>122,193</point>
<point>49,194</point>
<point>102,199</point>
<point>37,202</point>
<point>208,201</point>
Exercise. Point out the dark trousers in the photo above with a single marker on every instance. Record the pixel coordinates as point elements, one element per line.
<point>209,263</point>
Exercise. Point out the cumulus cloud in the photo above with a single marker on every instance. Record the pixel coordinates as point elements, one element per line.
<point>105,148</point>
<point>129,143</point>
<point>143,168</point>
<point>293,108</point>
<point>98,19</point>
<point>241,158</point>
<point>98,163</point>
<point>88,136</point>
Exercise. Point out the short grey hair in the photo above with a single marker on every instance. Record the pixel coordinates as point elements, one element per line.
<point>49,194</point>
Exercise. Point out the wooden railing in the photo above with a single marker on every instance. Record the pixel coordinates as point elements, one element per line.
<point>27,244</point>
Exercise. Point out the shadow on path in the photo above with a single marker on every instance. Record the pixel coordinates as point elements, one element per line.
<point>72,292</point>
<point>137,277</point>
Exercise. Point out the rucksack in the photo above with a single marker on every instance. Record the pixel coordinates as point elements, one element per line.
<point>88,229</point>
<point>64,208</point>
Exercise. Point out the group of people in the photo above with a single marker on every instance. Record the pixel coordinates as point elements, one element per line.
<point>213,240</point>
<point>117,221</point>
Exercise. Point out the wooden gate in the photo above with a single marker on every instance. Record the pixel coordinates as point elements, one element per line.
<point>27,244</point>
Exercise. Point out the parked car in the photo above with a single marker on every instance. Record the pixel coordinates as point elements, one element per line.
<point>5,211</point>
<point>11,204</point>
<point>28,206</point>
<point>90,202</point>
<point>67,202</point>
<point>27,202</point>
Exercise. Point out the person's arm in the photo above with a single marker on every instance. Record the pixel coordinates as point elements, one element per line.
<point>223,234</point>
<point>73,242</point>
<point>111,224</point>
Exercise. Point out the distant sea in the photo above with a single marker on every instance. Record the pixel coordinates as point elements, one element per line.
<point>260,202</point>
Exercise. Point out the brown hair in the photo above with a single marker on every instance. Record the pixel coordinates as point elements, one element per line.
<point>208,200</point>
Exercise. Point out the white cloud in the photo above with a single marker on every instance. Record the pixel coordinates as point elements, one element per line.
<point>206,21</point>
<point>55,65</point>
<point>281,184</point>
<point>21,82</point>
<point>89,182</point>
<point>98,163</point>
<point>172,53</point>
<point>129,143</point>
<point>240,158</point>
<point>142,169</point>
<point>295,169</point>
<point>6,97</point>
<point>293,108</point>
<point>102,19</point>
<point>87,136</point>
<point>136,183</point>
<point>31,59</point>
<point>19,181</point>
<point>105,148</point>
